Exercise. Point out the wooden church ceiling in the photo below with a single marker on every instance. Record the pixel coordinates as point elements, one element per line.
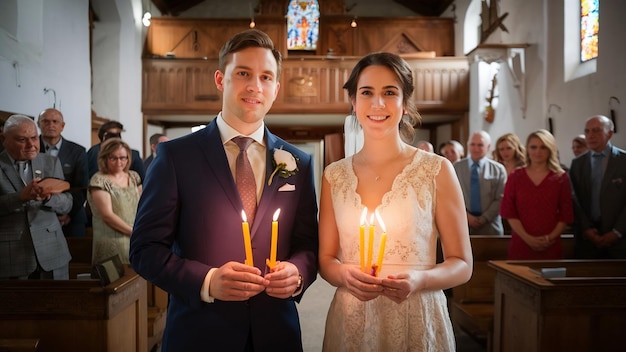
<point>421,7</point>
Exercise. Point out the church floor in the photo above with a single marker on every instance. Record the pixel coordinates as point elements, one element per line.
<point>313,309</point>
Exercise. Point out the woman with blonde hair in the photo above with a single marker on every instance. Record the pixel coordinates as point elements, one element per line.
<point>537,201</point>
<point>509,152</point>
<point>113,195</point>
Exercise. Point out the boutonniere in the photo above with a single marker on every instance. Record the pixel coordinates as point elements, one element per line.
<point>284,164</point>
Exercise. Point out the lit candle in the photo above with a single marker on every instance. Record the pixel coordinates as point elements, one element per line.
<point>362,239</point>
<point>370,244</point>
<point>381,248</point>
<point>272,261</point>
<point>247,242</point>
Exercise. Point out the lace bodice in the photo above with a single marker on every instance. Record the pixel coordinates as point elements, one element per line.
<point>407,211</point>
<point>421,322</point>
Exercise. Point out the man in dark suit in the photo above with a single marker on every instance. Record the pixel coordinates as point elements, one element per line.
<point>600,223</point>
<point>112,129</point>
<point>187,238</point>
<point>73,158</point>
<point>155,139</point>
<point>491,175</point>
<point>32,245</point>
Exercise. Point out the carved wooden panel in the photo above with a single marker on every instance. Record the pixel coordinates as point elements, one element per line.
<point>308,86</point>
<point>202,38</point>
<point>178,85</point>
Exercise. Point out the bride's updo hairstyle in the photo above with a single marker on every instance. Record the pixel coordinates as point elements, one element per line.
<point>404,75</point>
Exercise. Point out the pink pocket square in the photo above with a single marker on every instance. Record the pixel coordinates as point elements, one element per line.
<point>287,187</point>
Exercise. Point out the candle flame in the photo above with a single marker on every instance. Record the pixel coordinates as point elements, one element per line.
<point>380,221</point>
<point>243,216</point>
<point>276,214</point>
<point>364,216</point>
<point>372,220</point>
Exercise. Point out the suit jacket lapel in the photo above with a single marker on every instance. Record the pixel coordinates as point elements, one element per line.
<point>269,192</point>
<point>37,164</point>
<point>9,170</point>
<point>210,143</point>
<point>611,166</point>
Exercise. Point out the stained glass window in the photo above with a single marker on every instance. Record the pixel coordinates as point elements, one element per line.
<point>589,28</point>
<point>303,25</point>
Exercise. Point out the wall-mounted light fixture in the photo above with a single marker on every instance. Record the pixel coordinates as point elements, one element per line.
<point>147,16</point>
<point>612,111</point>
<point>54,93</point>
<point>353,24</point>
<point>550,116</point>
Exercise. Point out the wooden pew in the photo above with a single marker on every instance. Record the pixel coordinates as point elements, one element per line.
<point>472,307</point>
<point>76,315</point>
<point>582,311</point>
<point>19,345</point>
<point>81,248</point>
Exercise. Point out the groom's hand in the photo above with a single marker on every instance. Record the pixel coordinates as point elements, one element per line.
<point>283,280</point>
<point>236,281</point>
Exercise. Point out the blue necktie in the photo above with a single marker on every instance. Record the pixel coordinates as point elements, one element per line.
<point>475,207</point>
<point>596,183</point>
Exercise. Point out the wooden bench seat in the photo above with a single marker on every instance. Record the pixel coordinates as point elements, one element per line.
<point>18,345</point>
<point>472,306</point>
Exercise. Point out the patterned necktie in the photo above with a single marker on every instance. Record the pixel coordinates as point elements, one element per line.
<point>475,208</point>
<point>596,182</point>
<point>24,172</point>
<point>244,177</point>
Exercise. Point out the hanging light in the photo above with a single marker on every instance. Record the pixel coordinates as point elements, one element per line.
<point>252,24</point>
<point>353,24</point>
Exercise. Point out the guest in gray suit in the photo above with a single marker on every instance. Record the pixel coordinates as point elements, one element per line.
<point>600,223</point>
<point>32,245</point>
<point>485,219</point>
<point>73,158</point>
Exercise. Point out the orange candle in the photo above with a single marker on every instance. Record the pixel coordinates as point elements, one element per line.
<point>362,240</point>
<point>381,248</point>
<point>247,242</point>
<point>272,261</point>
<point>370,244</point>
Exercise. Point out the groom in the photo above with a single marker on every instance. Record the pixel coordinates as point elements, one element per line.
<point>187,238</point>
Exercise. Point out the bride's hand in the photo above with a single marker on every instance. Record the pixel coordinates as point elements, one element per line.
<point>363,286</point>
<point>399,287</point>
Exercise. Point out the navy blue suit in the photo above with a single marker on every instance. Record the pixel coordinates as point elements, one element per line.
<point>189,221</point>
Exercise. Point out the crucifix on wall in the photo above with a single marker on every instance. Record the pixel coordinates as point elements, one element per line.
<point>490,19</point>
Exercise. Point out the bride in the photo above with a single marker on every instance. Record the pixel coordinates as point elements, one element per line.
<point>417,196</point>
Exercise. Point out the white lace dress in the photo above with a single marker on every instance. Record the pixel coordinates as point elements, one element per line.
<point>422,322</point>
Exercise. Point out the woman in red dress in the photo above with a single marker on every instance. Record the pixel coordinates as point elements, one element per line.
<point>537,201</point>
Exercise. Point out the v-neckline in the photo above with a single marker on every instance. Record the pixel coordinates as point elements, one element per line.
<point>386,194</point>
<point>540,181</point>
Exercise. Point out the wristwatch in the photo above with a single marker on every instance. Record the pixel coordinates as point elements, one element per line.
<point>618,234</point>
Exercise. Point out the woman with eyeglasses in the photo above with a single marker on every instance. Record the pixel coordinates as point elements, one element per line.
<point>113,195</point>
